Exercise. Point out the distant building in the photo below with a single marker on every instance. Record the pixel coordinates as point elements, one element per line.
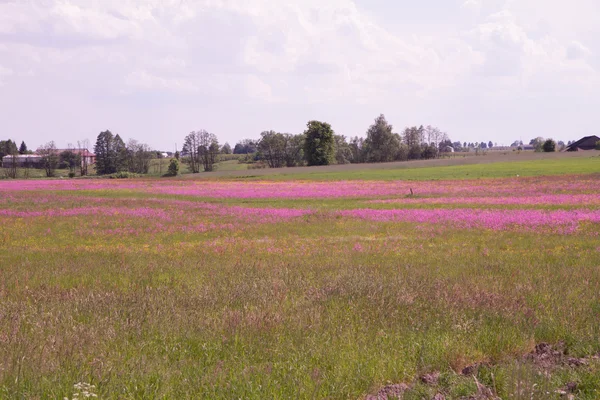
<point>87,157</point>
<point>586,143</point>
<point>22,160</point>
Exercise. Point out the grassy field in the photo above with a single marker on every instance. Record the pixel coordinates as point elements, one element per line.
<point>492,165</point>
<point>294,288</point>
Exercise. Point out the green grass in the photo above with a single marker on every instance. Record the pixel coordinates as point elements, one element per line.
<point>317,307</point>
<point>555,166</point>
<point>309,318</point>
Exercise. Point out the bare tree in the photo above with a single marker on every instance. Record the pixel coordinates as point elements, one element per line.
<point>190,156</point>
<point>49,158</point>
<point>138,157</point>
<point>435,136</point>
<point>208,149</point>
<point>83,146</point>
<point>10,166</point>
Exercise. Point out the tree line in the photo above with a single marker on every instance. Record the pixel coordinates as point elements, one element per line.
<point>317,145</point>
<point>320,145</point>
<point>113,155</point>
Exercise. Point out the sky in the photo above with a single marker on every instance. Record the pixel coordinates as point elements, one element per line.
<point>154,70</point>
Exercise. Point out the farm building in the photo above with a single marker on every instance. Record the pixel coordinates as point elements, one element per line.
<point>22,160</point>
<point>87,157</point>
<point>586,143</point>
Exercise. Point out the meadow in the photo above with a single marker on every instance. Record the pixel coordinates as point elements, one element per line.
<point>261,288</point>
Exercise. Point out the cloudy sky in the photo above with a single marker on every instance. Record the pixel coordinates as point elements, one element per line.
<point>155,70</point>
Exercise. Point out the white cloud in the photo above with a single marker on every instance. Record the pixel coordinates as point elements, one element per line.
<point>147,81</point>
<point>4,72</point>
<point>472,4</point>
<point>258,89</point>
<point>331,56</point>
<point>576,51</point>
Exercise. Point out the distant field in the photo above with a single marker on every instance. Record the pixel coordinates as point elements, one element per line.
<point>458,167</point>
<point>303,289</point>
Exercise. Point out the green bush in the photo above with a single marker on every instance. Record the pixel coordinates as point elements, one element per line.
<point>230,157</point>
<point>123,175</point>
<point>173,169</point>
<point>598,145</point>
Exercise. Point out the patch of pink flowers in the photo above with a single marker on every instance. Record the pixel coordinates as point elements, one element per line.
<point>180,209</point>
<point>303,189</point>
<point>143,212</point>
<point>477,218</point>
<point>545,199</point>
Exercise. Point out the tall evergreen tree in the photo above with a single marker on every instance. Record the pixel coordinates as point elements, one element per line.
<point>120,151</point>
<point>105,153</point>
<point>23,148</point>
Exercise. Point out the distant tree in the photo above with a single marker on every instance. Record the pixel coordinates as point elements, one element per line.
<point>356,146</point>
<point>483,145</point>
<point>537,143</point>
<point>83,147</point>
<point>121,153</point>
<point>49,158</point>
<point>490,144</point>
<point>414,139</point>
<point>208,149</point>
<point>598,145</point>
<point>8,147</point>
<point>106,154</point>
<point>457,146</point>
<point>23,148</point>
<point>465,145</point>
<point>294,149</point>
<point>177,155</point>
<point>246,146</point>
<point>319,146</point>
<point>272,147</point>
<point>226,149</point>
<point>403,153</point>
<point>434,136</point>
<point>549,146</point>
<point>138,157</point>
<point>343,154</point>
<point>173,169</point>
<point>381,144</point>
<point>444,144</point>
<point>10,167</point>
<point>70,159</point>
<point>429,151</point>
<point>191,157</point>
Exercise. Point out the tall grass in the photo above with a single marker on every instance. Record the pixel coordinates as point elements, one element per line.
<point>319,306</point>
